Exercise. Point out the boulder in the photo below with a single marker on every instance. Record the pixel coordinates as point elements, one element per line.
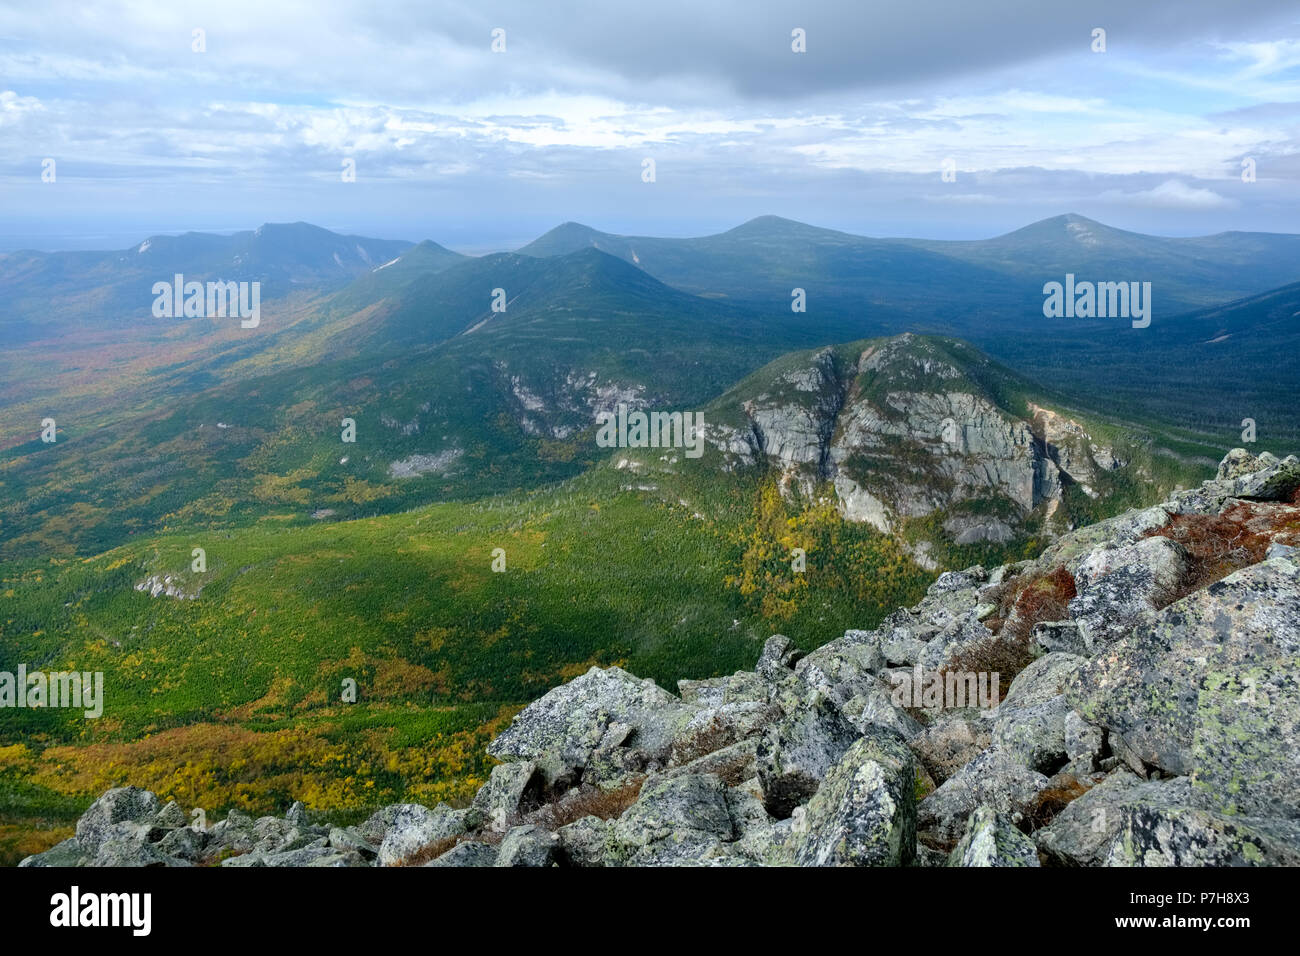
<point>562,730</point>
<point>999,780</point>
<point>350,838</point>
<point>469,853</point>
<point>500,800</point>
<point>864,812</point>
<point>992,840</point>
<point>741,687</point>
<point>837,667</point>
<point>67,853</point>
<point>1062,636</point>
<point>528,846</point>
<point>778,658</point>
<point>1083,741</point>
<point>1239,462</point>
<point>1127,821</point>
<point>1210,690</point>
<point>122,848</point>
<point>717,728</point>
<point>232,835</point>
<point>1276,482</point>
<point>415,828</point>
<point>1119,588</point>
<point>120,804</point>
<point>170,817</point>
<point>585,842</point>
<point>950,743</point>
<point>1034,735</point>
<point>675,821</point>
<point>798,750</point>
<point>1041,681</point>
<point>1188,836</point>
<point>185,843</point>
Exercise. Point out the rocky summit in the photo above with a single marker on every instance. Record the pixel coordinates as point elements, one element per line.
<point>1148,669</point>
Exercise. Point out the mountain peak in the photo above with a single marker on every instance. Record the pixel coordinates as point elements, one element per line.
<point>564,238</point>
<point>778,227</point>
<point>1068,225</point>
<point>282,229</point>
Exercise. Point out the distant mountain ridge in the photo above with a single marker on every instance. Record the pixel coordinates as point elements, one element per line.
<point>47,293</point>
<point>1190,273</point>
<point>458,400</point>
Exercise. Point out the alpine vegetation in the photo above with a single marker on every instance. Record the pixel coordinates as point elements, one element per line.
<point>1101,300</point>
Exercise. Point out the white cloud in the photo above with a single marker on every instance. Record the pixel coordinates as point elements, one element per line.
<point>1173,194</point>
<point>413,92</point>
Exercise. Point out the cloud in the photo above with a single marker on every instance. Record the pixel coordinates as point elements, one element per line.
<point>738,123</point>
<point>1173,194</point>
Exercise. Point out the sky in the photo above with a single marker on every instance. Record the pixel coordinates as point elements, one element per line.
<point>484,149</point>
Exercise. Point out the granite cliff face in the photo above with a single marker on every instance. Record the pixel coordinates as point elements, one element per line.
<point>1145,711</point>
<point>913,427</point>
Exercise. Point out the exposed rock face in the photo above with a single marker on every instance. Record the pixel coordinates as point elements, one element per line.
<point>169,586</point>
<point>1150,717</point>
<point>902,431</point>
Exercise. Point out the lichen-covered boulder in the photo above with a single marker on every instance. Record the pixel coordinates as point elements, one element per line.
<point>999,780</point>
<point>470,853</point>
<point>1240,462</point>
<point>1120,588</point>
<point>415,828</point>
<point>1277,482</point>
<point>350,838</point>
<point>992,840</point>
<point>1189,836</point>
<point>741,687</point>
<point>185,843</point>
<point>528,846</point>
<point>499,801</point>
<point>864,812</point>
<point>717,728</point>
<point>778,659</point>
<point>586,842</point>
<point>121,804</point>
<point>1034,735</point>
<point>675,821</point>
<point>839,667</point>
<point>562,730</point>
<point>798,751</point>
<point>1212,690</point>
<point>1127,821</point>
<point>1029,723</point>
<point>950,743</point>
<point>66,853</point>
